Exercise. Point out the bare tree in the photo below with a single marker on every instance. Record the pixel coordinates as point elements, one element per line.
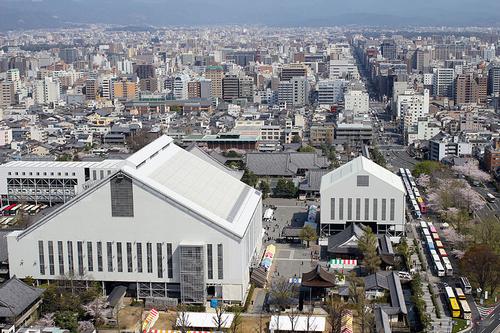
<point>260,328</point>
<point>220,317</point>
<point>281,293</point>
<point>237,319</point>
<point>293,316</point>
<point>181,320</point>
<point>311,324</point>
<point>335,310</point>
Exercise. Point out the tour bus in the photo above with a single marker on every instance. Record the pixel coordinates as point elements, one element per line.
<point>439,244</point>
<point>15,209</point>
<point>426,232</point>
<point>466,285</point>
<point>34,209</point>
<point>460,293</point>
<point>439,267</point>
<point>447,266</point>
<point>442,252</point>
<point>432,228</point>
<point>452,302</point>
<point>466,313</point>
<point>8,210</point>
<point>435,236</point>
<point>423,225</point>
<point>490,197</point>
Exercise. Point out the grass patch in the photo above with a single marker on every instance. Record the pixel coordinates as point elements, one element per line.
<point>458,325</point>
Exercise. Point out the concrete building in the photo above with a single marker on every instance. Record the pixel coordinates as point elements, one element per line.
<point>494,80</point>
<point>91,89</point>
<point>353,134</point>
<point>444,145</point>
<point>167,224</point>
<point>425,129</point>
<point>412,106</point>
<point>7,94</point>
<point>363,192</point>
<point>46,91</point>
<point>320,134</point>
<point>344,68</point>
<point>230,87</point>
<point>215,74</point>
<point>180,87</point>
<point>357,101</point>
<point>293,70</point>
<point>444,80</point>
<point>50,182</point>
<point>331,91</point>
<point>388,49</point>
<point>470,89</point>
<point>125,90</point>
<point>492,157</point>
<point>5,136</point>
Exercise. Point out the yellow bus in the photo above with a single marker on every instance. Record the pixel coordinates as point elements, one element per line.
<point>454,308</point>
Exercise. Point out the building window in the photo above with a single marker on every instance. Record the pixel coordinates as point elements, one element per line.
<point>99,256</point>
<point>94,174</point>
<point>149,257</point>
<point>384,203</point>
<point>79,249</point>
<point>332,208</point>
<point>375,207</point>
<point>41,257</point>
<point>341,208</point>
<point>70,257</point>
<point>159,259</point>
<point>367,209</point>
<point>349,209</point>
<point>51,258</point>
<point>363,181</point>
<point>90,257</point>
<point>210,264</point>
<point>109,250</point>
<point>122,197</point>
<point>139,257</point>
<point>60,255</point>
<point>129,257</point>
<point>119,258</point>
<point>391,209</point>
<point>220,261</point>
<point>358,209</point>
<point>170,261</point>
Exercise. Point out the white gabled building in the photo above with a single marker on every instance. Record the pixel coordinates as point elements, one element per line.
<point>362,191</point>
<point>166,224</point>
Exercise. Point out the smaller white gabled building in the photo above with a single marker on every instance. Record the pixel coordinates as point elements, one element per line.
<point>362,191</point>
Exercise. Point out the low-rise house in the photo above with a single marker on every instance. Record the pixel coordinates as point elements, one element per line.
<point>19,302</point>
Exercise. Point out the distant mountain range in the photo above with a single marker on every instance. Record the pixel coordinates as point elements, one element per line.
<point>25,14</point>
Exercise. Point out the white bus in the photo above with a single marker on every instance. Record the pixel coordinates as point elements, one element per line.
<point>490,197</point>
<point>447,266</point>
<point>439,268</point>
<point>460,293</point>
<point>466,313</point>
<point>466,285</point>
<point>426,232</point>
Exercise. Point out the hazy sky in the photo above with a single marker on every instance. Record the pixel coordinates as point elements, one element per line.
<point>269,12</point>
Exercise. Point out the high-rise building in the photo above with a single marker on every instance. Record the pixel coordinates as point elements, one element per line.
<point>300,86</point>
<point>181,86</point>
<point>357,101</point>
<point>412,106</point>
<point>91,88</point>
<point>125,90</point>
<point>194,89</point>
<point>108,87</point>
<point>285,93</point>
<point>293,70</point>
<point>470,89</point>
<point>494,80</point>
<point>149,84</point>
<point>389,50</point>
<point>444,80</point>
<point>230,87</point>
<point>215,74</point>
<point>246,88</point>
<point>331,91</point>
<point>46,91</point>
<point>7,96</point>
<point>68,55</point>
<point>144,71</point>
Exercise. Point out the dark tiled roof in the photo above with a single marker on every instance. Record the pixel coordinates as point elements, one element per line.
<point>116,294</point>
<point>16,296</point>
<point>318,278</point>
<point>284,164</point>
<point>388,281</point>
<point>313,180</point>
<point>336,241</point>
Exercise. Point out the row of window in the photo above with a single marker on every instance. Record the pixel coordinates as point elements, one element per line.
<point>39,173</point>
<point>340,211</point>
<point>123,252</point>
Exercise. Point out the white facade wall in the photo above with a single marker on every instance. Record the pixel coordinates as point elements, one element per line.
<point>357,101</point>
<point>5,136</point>
<point>412,106</point>
<point>156,220</point>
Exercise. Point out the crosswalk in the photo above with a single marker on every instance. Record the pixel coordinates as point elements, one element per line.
<point>484,311</point>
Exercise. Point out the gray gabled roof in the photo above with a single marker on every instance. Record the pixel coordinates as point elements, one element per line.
<point>313,180</point>
<point>284,164</point>
<point>336,241</point>
<point>388,281</point>
<point>382,324</point>
<point>16,296</point>
<point>197,151</point>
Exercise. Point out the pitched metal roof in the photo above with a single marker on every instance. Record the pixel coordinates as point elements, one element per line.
<point>16,296</point>
<point>197,151</point>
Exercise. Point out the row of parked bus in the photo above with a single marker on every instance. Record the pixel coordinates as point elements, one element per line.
<point>415,200</point>
<point>457,303</point>
<point>441,262</point>
<point>14,209</point>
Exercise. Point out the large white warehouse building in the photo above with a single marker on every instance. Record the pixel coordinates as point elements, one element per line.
<point>362,191</point>
<point>167,224</point>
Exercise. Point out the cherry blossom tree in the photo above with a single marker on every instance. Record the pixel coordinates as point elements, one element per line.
<point>424,181</point>
<point>46,321</point>
<point>85,326</point>
<point>471,169</point>
<point>95,309</point>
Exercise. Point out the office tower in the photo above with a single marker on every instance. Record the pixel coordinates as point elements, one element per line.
<point>300,95</point>
<point>7,95</point>
<point>494,80</point>
<point>108,87</point>
<point>230,87</point>
<point>68,55</point>
<point>14,77</point>
<point>215,74</point>
<point>91,88</point>
<point>144,71</point>
<point>411,106</point>
<point>194,89</point>
<point>470,89</point>
<point>205,88</point>
<point>125,90</point>
<point>389,50</point>
<point>285,93</point>
<point>422,60</point>
<point>443,84</point>
<point>293,70</point>
<point>242,58</point>
<point>180,90</point>
<point>125,66</point>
